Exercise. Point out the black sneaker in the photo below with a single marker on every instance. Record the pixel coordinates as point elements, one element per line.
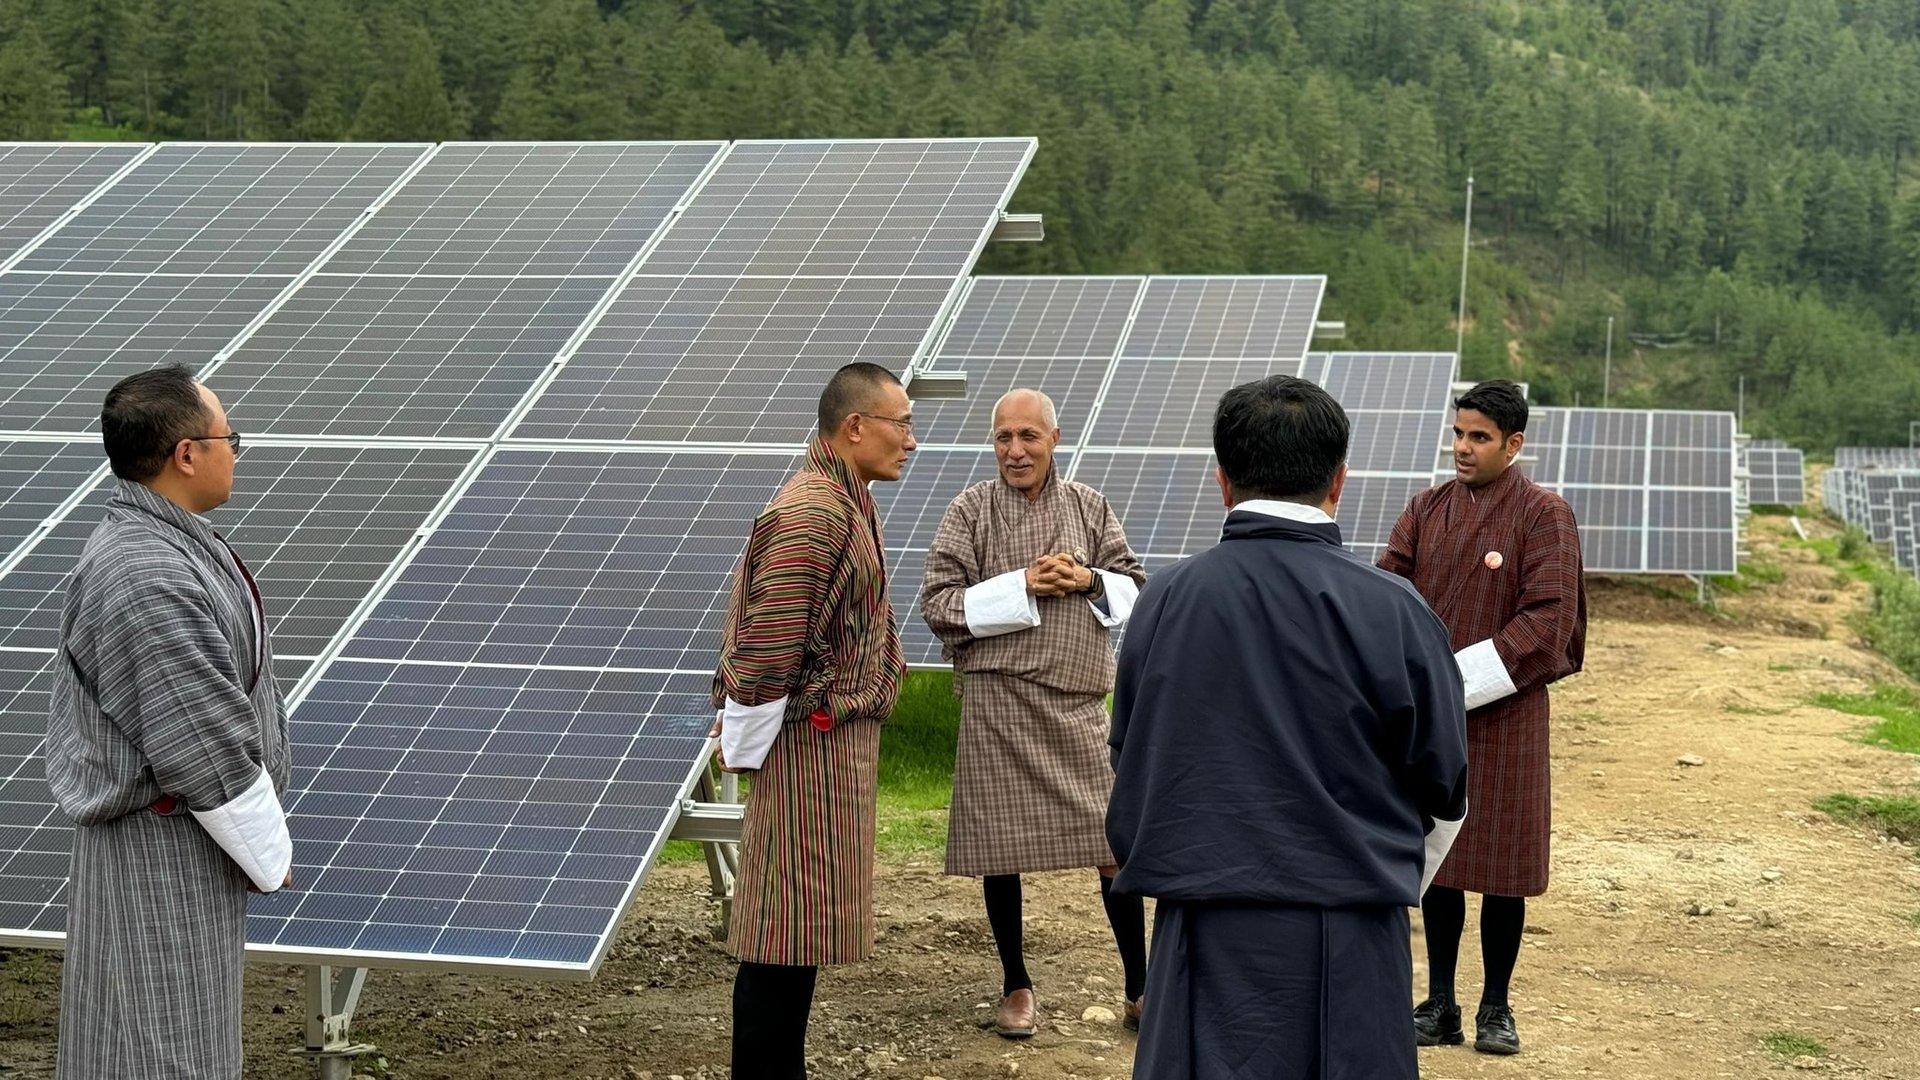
<point>1495,1033</point>
<point>1436,1022</point>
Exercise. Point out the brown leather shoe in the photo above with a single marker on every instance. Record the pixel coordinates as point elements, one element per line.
<point>1130,1016</point>
<point>1017,1017</point>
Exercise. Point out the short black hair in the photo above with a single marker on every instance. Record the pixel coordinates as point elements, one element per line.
<point>146,415</point>
<point>1500,401</point>
<point>1280,438</point>
<point>852,389</point>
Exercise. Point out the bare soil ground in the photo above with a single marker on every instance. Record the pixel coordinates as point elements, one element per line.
<point>1694,909</point>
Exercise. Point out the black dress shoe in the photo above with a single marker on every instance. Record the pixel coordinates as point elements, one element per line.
<point>1436,1022</point>
<point>1495,1033</point>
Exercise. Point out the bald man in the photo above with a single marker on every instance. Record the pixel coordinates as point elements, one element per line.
<point>1027,579</point>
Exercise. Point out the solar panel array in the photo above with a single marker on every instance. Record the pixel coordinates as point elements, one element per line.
<point>1876,457</point>
<point>500,648</point>
<point>1776,476</point>
<point>1654,491</point>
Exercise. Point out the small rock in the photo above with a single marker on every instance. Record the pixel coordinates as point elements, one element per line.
<point>1727,650</point>
<point>1693,761</point>
<point>1765,920</point>
<point>1771,874</point>
<point>1098,1014</point>
<point>1698,909</point>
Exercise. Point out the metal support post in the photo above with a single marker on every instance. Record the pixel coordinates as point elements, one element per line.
<point>714,820</point>
<point>332,995</point>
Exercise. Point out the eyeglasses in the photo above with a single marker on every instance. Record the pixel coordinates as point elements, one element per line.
<point>905,423</point>
<point>231,438</point>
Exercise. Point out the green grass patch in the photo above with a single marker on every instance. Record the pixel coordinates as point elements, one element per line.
<point>1896,815</point>
<point>1781,667</point>
<point>1753,574</point>
<point>1792,1044</point>
<point>1891,621</point>
<point>1895,710</point>
<point>1772,510</point>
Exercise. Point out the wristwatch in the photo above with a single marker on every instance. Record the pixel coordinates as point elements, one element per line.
<point>1096,588</point>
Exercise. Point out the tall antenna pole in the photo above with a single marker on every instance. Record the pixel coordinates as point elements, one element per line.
<point>1606,380</point>
<point>1742,415</point>
<point>1466,245</point>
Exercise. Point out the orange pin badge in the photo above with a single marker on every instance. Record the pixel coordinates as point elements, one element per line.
<point>1493,560</point>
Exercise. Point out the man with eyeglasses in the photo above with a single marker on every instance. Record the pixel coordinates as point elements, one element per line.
<point>1028,578</point>
<point>810,665</point>
<point>167,747</point>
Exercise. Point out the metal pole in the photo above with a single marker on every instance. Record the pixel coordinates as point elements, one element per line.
<point>1466,245</point>
<point>1606,381</point>
<point>1741,415</point>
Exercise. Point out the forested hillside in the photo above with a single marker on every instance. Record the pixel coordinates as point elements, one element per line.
<point>1732,179</point>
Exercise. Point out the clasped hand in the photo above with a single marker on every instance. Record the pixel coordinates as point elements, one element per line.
<point>1057,575</point>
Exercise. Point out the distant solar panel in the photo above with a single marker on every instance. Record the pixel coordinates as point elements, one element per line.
<point>1226,318</point>
<point>1170,403</point>
<point>225,208</point>
<point>318,527</point>
<point>759,289</point>
<point>1775,476</point>
<point>65,339</point>
<point>421,357</point>
<point>526,209</point>
<point>1653,491</point>
<point>41,181</point>
<point>1904,548</point>
<point>489,816</point>
<point>35,478</point>
<point>579,558</point>
<point>1054,334</point>
<point>1878,486</point>
<point>1869,457</point>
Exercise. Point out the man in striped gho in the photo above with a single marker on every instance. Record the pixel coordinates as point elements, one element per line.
<point>810,665</point>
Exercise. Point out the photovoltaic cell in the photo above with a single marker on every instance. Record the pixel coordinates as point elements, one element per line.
<point>475,814</point>
<point>1055,335</point>
<point>1397,404</point>
<point>317,526</point>
<point>1226,318</point>
<point>1170,403</point>
<point>227,208</point>
<point>66,339</point>
<point>575,209</point>
<point>424,357</point>
<point>35,478</point>
<point>41,181</point>
<point>1169,504</point>
<point>1776,476</point>
<point>1877,488</point>
<point>728,360</point>
<point>844,209</point>
<point>579,558</point>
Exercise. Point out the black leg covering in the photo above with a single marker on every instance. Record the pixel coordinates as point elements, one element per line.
<point>1502,918</point>
<point>1128,917</point>
<point>1444,913</point>
<point>1003,915</point>
<point>771,1003</point>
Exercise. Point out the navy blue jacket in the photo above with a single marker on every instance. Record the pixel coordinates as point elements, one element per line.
<point>1287,722</point>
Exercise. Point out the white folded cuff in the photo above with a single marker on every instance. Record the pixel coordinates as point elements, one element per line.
<point>1118,600</point>
<point>1001,605</point>
<point>252,829</point>
<point>1439,841</point>
<point>747,731</point>
<point>1484,673</point>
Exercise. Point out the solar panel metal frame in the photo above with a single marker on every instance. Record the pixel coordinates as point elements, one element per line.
<point>141,151</point>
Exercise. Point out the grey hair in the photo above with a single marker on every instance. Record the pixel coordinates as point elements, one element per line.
<point>1047,411</point>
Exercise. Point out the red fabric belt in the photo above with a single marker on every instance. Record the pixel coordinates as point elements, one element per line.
<point>164,805</point>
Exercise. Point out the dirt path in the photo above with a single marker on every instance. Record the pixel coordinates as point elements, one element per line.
<point>1617,978</point>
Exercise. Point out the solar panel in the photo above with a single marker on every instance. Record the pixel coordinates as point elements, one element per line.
<point>1878,487</point>
<point>1904,548</point>
<point>35,479</point>
<point>318,527</point>
<point>1396,405</point>
<point>1653,490</point>
<point>526,209</point>
<point>1054,334</point>
<point>1370,506</point>
<point>422,357</point>
<point>771,278</point>
<point>41,181</point>
<point>1170,403</point>
<point>1868,457</point>
<point>1775,476</point>
<point>226,208</point>
<point>65,339</point>
<point>1226,318</point>
<point>728,360</point>
<point>844,209</point>
<point>478,815</point>
<point>579,558</point>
